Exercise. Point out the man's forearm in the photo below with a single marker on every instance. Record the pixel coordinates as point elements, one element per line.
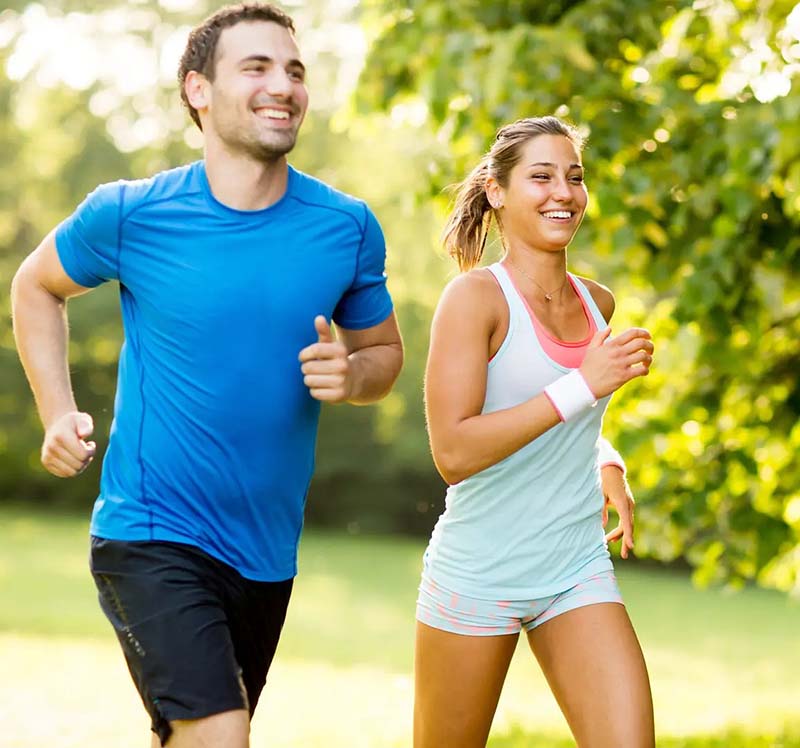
<point>41,334</point>
<point>374,371</point>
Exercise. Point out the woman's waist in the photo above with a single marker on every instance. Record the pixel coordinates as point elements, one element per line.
<point>518,516</point>
<point>521,480</point>
<point>521,566</point>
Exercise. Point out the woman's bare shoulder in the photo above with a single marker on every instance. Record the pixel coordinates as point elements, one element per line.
<point>471,299</point>
<point>602,297</point>
<point>477,286</point>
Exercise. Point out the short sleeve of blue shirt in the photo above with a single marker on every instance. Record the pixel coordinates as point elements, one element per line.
<point>367,301</point>
<point>88,241</point>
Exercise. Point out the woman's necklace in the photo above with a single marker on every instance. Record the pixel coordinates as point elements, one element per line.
<point>548,295</point>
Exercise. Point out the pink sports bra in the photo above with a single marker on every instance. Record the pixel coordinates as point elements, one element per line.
<point>566,353</point>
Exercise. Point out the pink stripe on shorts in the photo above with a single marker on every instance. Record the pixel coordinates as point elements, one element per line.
<point>460,614</point>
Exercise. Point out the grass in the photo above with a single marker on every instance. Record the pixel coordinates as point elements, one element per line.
<point>727,739</point>
<point>725,667</point>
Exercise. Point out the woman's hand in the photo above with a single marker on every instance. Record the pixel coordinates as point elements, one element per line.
<point>611,362</point>
<point>618,494</point>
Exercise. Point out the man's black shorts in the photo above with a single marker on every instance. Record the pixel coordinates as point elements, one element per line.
<point>198,637</point>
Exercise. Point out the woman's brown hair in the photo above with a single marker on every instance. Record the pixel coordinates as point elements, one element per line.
<point>464,235</point>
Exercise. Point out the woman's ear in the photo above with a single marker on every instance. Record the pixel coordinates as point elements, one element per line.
<point>494,193</point>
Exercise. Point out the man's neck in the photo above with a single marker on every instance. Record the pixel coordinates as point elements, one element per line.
<point>242,183</point>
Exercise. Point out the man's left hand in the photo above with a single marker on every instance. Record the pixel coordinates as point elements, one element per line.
<point>325,366</point>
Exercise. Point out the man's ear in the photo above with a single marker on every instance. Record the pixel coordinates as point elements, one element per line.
<point>198,90</point>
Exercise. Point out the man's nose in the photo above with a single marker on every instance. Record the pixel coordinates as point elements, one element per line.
<point>278,83</point>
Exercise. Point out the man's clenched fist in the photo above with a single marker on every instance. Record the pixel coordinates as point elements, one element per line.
<point>65,451</point>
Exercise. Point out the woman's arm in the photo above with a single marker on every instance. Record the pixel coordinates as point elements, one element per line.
<point>464,441</point>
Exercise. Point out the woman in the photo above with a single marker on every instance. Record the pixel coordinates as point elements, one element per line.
<point>520,371</point>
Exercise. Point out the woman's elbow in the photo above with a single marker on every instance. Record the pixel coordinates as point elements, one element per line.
<point>452,469</point>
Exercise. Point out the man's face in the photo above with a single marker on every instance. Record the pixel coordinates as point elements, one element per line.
<point>258,98</point>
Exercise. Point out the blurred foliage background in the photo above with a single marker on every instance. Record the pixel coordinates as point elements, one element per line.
<point>693,164</point>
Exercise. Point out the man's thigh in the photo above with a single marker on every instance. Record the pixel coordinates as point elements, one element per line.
<point>197,637</point>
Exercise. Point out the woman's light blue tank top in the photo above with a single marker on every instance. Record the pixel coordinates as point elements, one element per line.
<point>529,526</point>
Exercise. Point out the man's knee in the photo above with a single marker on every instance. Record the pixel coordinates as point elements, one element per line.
<point>224,730</point>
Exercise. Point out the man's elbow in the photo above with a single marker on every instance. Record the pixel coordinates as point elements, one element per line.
<point>27,283</point>
<point>21,284</point>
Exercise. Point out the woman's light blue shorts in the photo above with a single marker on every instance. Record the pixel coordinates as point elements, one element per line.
<point>460,614</point>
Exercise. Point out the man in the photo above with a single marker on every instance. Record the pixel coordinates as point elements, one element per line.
<point>229,270</point>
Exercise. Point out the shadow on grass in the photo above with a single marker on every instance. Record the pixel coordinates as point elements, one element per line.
<point>784,738</point>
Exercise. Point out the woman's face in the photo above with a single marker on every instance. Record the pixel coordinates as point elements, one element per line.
<point>545,199</point>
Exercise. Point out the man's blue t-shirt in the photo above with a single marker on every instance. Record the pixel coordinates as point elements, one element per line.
<point>213,437</point>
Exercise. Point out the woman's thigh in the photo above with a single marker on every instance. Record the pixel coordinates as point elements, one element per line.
<point>593,662</point>
<point>458,679</point>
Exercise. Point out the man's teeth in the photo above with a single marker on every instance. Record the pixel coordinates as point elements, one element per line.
<point>557,214</point>
<point>273,113</point>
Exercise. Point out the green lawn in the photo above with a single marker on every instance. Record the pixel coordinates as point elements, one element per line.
<point>725,667</point>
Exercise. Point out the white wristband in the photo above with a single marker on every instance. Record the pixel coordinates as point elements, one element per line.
<point>570,395</point>
<point>607,455</point>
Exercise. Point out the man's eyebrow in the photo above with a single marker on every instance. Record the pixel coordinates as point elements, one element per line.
<point>293,63</point>
<point>553,166</point>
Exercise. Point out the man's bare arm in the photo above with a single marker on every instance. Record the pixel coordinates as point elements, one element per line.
<point>359,368</point>
<point>39,293</point>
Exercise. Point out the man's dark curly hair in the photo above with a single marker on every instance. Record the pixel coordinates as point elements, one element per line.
<point>201,47</point>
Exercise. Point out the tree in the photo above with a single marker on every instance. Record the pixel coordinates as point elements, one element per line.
<point>694,167</point>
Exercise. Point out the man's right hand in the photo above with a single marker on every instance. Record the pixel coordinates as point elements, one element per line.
<point>65,451</point>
